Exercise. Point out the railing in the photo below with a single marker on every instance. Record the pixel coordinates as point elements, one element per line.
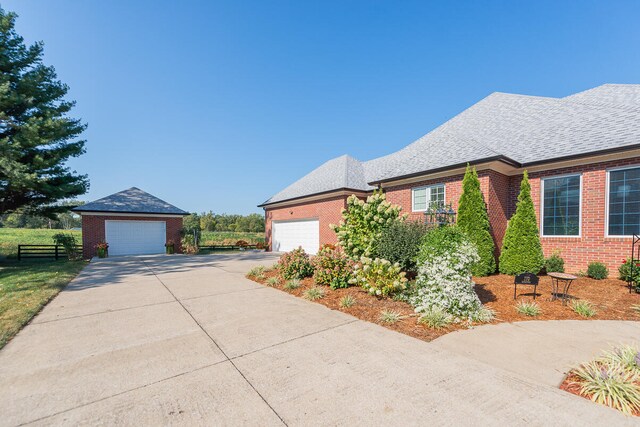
<point>43,251</point>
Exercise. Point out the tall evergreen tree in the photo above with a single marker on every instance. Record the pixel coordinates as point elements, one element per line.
<point>521,248</point>
<point>473,219</point>
<point>36,135</point>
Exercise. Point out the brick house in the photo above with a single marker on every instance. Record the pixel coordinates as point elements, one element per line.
<point>582,153</point>
<point>132,222</point>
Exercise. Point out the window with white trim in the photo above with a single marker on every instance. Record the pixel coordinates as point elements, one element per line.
<point>561,206</point>
<point>424,197</point>
<point>624,202</point>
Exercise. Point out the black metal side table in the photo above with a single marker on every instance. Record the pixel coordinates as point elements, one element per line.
<point>566,279</point>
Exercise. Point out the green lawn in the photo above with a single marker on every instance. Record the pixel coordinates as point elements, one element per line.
<point>219,237</point>
<point>10,238</point>
<point>26,286</point>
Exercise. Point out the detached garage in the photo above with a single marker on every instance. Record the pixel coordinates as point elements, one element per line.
<point>132,222</point>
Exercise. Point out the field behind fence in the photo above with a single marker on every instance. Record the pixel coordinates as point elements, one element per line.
<point>10,238</point>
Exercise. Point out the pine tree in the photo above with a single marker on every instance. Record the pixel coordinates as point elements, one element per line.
<point>521,248</point>
<point>473,219</point>
<point>36,135</point>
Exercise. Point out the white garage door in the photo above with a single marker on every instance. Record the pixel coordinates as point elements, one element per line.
<point>288,235</point>
<point>135,237</point>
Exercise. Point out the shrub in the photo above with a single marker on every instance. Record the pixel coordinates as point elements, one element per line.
<point>378,276</point>
<point>435,318</point>
<point>261,245</point>
<point>625,271</point>
<point>610,384</point>
<point>314,293</point>
<point>295,264</point>
<point>189,245</point>
<point>400,243</point>
<point>521,248</point>
<point>347,301</point>
<point>390,316</point>
<point>528,308</point>
<point>474,220</point>
<point>597,270</point>
<point>242,243</point>
<point>292,284</point>
<point>363,222</point>
<point>332,267</point>
<point>554,264</point>
<point>483,315</point>
<point>444,274</point>
<point>583,308</point>
<point>68,242</point>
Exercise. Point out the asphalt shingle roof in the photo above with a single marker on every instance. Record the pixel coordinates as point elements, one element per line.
<point>133,200</point>
<point>523,129</point>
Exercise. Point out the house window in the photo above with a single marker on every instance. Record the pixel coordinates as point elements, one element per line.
<point>425,197</point>
<point>561,206</point>
<point>624,202</point>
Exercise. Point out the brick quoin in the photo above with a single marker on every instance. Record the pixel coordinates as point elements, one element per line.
<point>500,193</point>
<point>93,230</point>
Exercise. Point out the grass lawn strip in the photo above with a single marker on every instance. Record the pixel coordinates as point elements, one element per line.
<point>26,287</point>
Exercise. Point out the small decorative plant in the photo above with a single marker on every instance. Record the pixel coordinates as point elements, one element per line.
<point>347,301</point>
<point>314,293</point>
<point>583,307</point>
<point>597,270</point>
<point>242,244</point>
<point>295,265</point>
<point>102,249</point>
<point>528,308</point>
<point>170,247</point>
<point>378,277</point>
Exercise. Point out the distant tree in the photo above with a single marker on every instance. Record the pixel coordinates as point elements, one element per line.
<point>474,221</point>
<point>36,135</point>
<point>191,227</point>
<point>521,248</point>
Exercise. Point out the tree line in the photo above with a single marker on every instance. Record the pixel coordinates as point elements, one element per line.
<point>210,221</point>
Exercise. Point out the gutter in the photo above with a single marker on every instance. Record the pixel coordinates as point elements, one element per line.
<point>267,203</point>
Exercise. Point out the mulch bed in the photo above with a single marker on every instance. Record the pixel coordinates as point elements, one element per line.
<point>610,298</point>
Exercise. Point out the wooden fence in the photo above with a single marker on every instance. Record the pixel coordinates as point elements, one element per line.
<point>43,251</point>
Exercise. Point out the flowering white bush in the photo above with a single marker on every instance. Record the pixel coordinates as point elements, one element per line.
<point>363,222</point>
<point>444,276</point>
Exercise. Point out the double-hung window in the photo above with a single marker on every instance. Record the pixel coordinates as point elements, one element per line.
<point>426,197</point>
<point>561,200</point>
<point>624,202</point>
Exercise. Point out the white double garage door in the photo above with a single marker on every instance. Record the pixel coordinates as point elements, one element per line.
<point>289,235</point>
<point>135,237</point>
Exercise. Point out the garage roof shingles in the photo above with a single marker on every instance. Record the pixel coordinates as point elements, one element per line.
<point>518,128</point>
<point>133,200</point>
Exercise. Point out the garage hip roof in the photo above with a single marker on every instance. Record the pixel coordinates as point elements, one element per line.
<point>517,129</point>
<point>133,200</point>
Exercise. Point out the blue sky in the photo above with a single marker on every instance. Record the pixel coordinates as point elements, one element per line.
<point>219,105</point>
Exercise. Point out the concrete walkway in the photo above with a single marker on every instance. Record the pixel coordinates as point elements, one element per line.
<point>189,341</point>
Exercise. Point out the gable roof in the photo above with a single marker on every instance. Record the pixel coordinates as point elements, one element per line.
<point>517,129</point>
<point>132,200</point>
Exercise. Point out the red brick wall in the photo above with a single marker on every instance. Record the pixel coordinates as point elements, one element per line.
<point>93,230</point>
<point>327,211</point>
<point>592,245</point>
<point>494,186</point>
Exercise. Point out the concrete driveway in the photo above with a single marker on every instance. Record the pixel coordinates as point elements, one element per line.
<point>188,340</point>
